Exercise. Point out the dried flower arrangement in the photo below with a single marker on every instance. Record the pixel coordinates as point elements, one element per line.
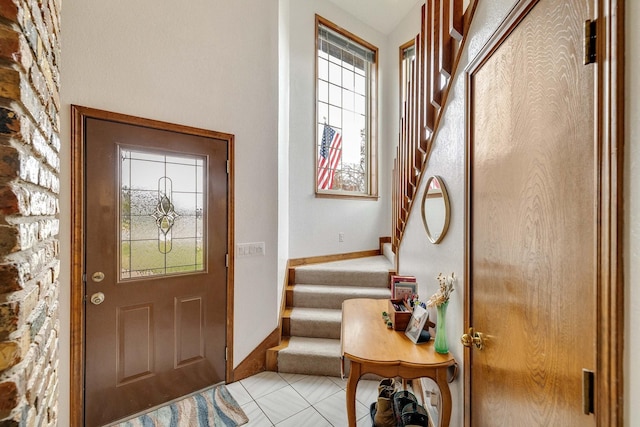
<point>443,293</point>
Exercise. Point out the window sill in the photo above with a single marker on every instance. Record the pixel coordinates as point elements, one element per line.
<point>340,195</point>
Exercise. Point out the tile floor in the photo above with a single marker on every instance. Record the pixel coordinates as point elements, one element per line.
<point>290,400</point>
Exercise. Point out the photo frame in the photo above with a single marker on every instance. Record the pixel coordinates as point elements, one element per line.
<point>404,290</point>
<point>416,324</point>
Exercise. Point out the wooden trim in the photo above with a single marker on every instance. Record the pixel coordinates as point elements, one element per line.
<point>427,109</point>
<point>373,191</point>
<point>435,91</point>
<point>446,45</point>
<point>76,416</point>
<point>289,277</point>
<point>78,117</point>
<point>456,20</point>
<point>288,296</point>
<point>329,194</point>
<point>329,258</point>
<point>315,106</point>
<point>372,125</point>
<point>230,255</point>
<point>610,74</point>
<point>286,322</point>
<point>514,17</point>
<point>272,355</point>
<point>401,50</point>
<point>346,33</point>
<point>382,241</point>
<point>256,361</point>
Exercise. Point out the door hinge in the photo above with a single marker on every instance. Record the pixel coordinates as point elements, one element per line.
<point>587,391</point>
<point>228,166</point>
<point>226,354</point>
<point>589,42</point>
<point>226,260</point>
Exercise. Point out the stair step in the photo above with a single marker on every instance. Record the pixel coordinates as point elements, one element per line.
<point>322,296</point>
<point>311,356</point>
<point>369,272</point>
<point>311,321</point>
<point>272,354</point>
<point>315,322</point>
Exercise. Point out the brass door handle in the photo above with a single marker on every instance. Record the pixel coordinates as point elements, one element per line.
<point>473,338</point>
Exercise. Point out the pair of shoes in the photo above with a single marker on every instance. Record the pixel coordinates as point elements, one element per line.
<point>407,411</point>
<point>388,383</point>
<point>400,400</point>
<point>414,415</point>
<point>382,411</point>
<point>396,408</point>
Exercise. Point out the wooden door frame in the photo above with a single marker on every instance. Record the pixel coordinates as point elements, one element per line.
<point>79,115</point>
<point>609,134</point>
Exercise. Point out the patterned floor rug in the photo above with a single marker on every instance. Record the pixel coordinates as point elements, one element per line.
<point>214,407</point>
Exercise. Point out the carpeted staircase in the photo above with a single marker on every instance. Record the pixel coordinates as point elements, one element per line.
<point>311,322</point>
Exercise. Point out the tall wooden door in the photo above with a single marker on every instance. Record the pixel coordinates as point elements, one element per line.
<point>533,177</point>
<point>156,278</point>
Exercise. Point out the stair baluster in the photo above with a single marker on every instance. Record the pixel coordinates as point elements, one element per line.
<point>438,48</point>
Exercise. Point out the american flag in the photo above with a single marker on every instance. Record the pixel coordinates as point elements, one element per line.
<point>330,152</point>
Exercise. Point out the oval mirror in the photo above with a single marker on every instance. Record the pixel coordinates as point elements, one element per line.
<point>435,209</point>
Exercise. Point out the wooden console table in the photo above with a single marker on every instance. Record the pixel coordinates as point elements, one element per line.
<point>371,347</point>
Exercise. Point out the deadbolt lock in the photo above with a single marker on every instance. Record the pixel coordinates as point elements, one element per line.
<point>473,338</point>
<point>98,276</point>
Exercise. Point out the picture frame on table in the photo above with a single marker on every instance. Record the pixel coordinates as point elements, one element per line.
<point>418,320</point>
<point>400,280</point>
<point>404,290</point>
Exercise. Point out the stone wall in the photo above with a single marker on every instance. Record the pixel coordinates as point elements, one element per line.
<point>29,187</point>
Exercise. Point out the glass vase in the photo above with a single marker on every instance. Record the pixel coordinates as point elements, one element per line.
<point>441,344</point>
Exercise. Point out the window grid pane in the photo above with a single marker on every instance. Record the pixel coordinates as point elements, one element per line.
<point>343,111</point>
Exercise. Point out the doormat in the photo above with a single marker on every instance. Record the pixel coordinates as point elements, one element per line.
<point>214,407</point>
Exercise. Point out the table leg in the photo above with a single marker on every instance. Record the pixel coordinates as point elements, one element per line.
<point>352,384</point>
<point>445,395</point>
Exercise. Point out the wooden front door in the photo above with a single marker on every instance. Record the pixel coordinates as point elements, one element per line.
<point>533,219</point>
<point>156,237</point>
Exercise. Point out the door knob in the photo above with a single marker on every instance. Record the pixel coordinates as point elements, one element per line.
<point>473,338</point>
<point>97,298</point>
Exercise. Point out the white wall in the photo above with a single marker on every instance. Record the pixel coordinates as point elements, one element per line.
<point>283,145</point>
<point>209,64</point>
<point>632,218</point>
<point>315,222</point>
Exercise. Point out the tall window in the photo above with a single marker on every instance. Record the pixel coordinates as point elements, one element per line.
<point>407,56</point>
<point>346,162</point>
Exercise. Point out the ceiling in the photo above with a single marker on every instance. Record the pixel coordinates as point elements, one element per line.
<point>383,15</point>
